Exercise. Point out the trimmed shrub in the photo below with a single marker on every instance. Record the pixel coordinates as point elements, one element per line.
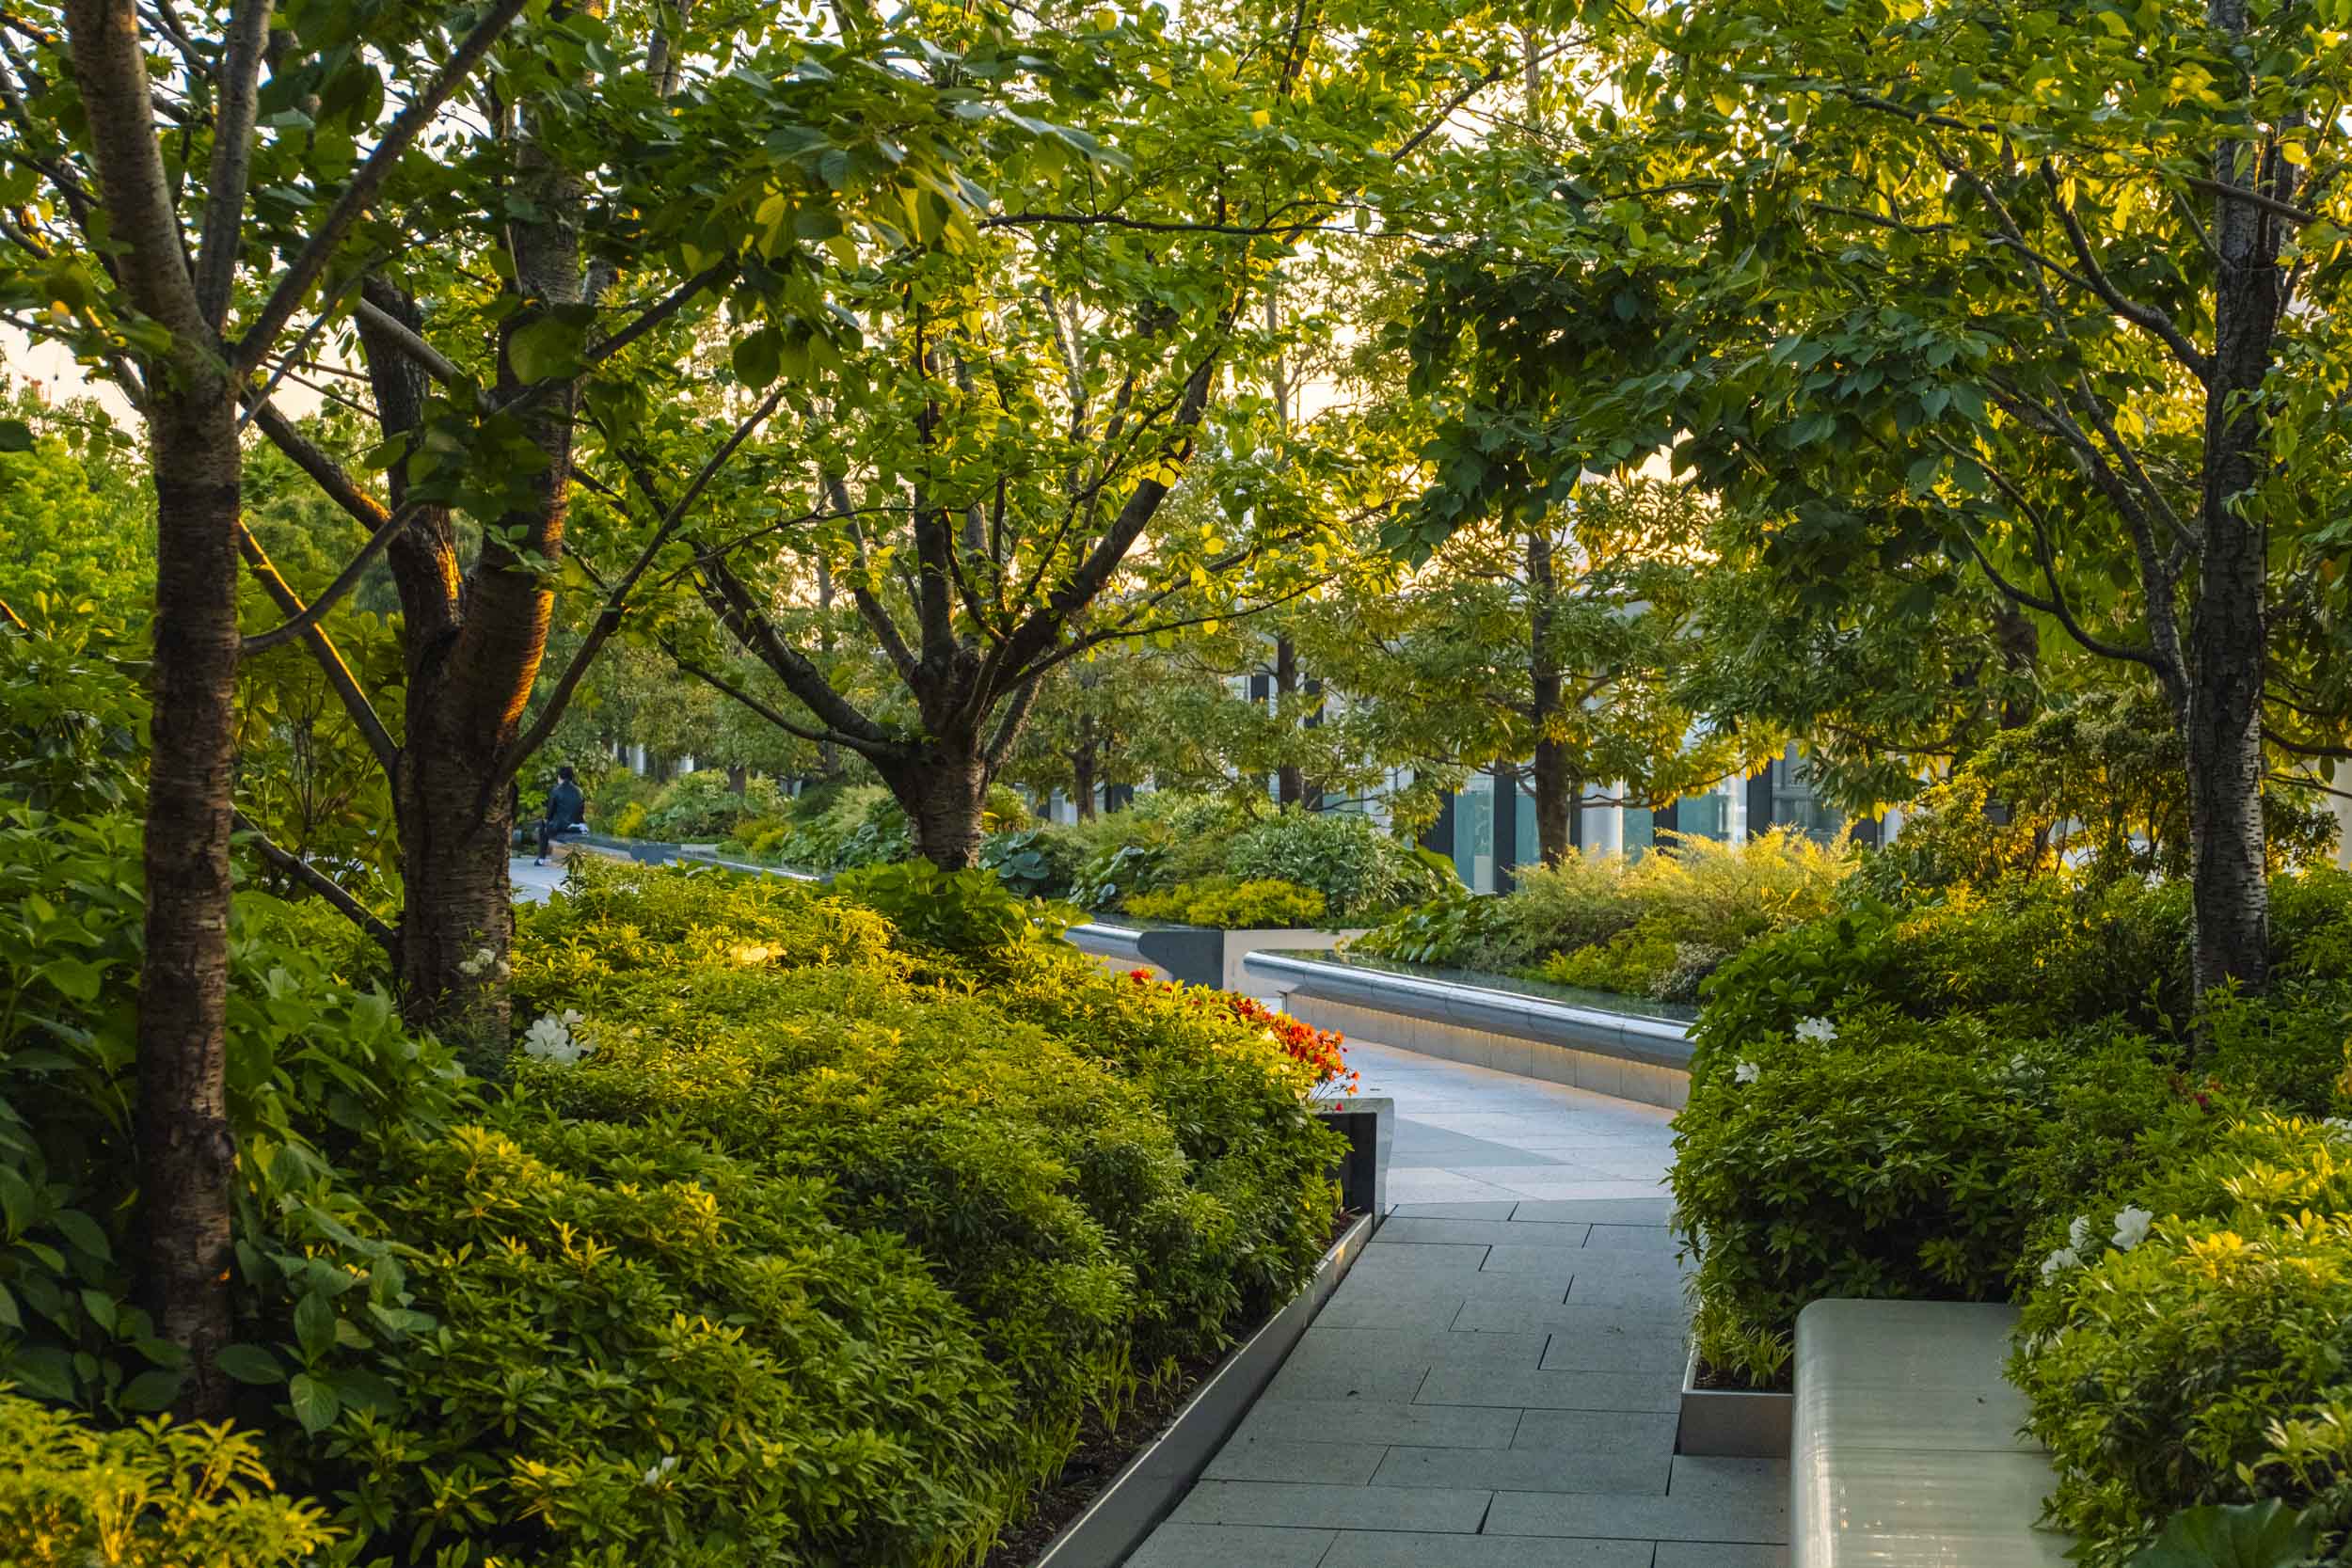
<point>702,806</point>
<point>1361,872</point>
<point>2198,1350</point>
<point>1232,904</point>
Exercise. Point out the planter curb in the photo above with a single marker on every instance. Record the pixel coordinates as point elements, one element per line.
<point>1150,1485</point>
<point>1732,1423</point>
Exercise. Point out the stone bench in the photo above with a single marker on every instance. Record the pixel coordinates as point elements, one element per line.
<point>1905,1450</point>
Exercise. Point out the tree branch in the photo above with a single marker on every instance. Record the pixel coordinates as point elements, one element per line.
<point>329,657</point>
<point>317,881</point>
<point>236,101</point>
<point>616,599</point>
<point>361,192</point>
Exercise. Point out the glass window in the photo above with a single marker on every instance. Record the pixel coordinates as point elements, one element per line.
<point>1525,850</point>
<point>1707,815</point>
<point>1474,835</point>
<point>1641,831</point>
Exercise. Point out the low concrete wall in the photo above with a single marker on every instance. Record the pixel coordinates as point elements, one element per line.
<point>1644,1059</point>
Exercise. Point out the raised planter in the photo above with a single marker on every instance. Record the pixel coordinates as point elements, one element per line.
<point>1640,1056</point>
<point>1198,955</point>
<point>1733,1423</point>
<point>1155,1481</point>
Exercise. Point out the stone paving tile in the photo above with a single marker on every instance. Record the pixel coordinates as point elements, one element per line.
<point>1307,1376</point>
<point>1639,1238</point>
<point>1602,1468</point>
<point>1663,1351</point>
<point>1711,1476</point>
<point>1572,1316</point>
<point>1508,1232</point>
<point>1432,1509</point>
<point>1762,1519</point>
<point>1582,1431</point>
<point>1399,1549</point>
<point>1429,1347</point>
<point>1610,1210</point>
<point>1176,1545</point>
<point>1385,1256</point>
<point>1552,1264</point>
<point>1413,1310</point>
<point>1500,1211</point>
<point>1522,1174</point>
<point>1251,1458</point>
<point>1471,1284</point>
<point>1540,1186</point>
<point>1665,1294</point>
<point>1716,1553</point>
<point>1379,1421</point>
<point>1503,1388</point>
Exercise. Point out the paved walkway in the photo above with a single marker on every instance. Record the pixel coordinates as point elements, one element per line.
<point>532,883</point>
<point>1494,1385</point>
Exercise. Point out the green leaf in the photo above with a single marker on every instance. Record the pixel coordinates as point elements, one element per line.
<point>15,435</point>
<point>314,1325</point>
<point>251,1364</point>
<point>314,1403</point>
<point>152,1390</point>
<point>759,357</point>
<point>2232,1535</point>
<point>546,348</point>
<point>83,1232</point>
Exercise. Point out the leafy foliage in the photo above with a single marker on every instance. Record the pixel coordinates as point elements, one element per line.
<point>155,1495</point>
<point>1360,871</point>
<point>1229,902</point>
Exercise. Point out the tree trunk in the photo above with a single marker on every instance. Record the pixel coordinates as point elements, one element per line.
<point>739,779</point>
<point>2228,635</point>
<point>186,1158</point>
<point>1553,835</point>
<point>455,834</point>
<point>943,792</point>
<point>182,1145</point>
<point>1290,783</point>
<point>1082,770</point>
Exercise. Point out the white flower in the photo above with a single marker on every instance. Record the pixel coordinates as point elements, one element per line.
<point>2078,1233</point>
<point>482,958</point>
<point>1821,1031</point>
<point>1747,1072</point>
<point>2064,1258</point>
<point>551,1039</point>
<point>2131,1226</point>
<point>656,1474</point>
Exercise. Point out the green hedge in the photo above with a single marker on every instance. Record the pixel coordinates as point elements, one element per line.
<point>2005,1095</point>
<point>780,1239</point>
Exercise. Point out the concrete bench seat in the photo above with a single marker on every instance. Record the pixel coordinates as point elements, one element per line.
<point>1905,1449</point>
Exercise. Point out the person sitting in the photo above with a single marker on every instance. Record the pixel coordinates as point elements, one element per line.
<point>566,813</point>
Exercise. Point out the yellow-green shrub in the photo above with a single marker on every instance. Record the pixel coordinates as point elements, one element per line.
<point>156,1495</point>
<point>1232,904</point>
<point>2209,1362</point>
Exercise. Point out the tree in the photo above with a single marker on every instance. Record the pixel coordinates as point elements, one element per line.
<point>1000,441</point>
<point>1552,650</point>
<point>2047,292</point>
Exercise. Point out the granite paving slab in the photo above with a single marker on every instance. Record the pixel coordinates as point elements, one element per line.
<point>1495,1384</point>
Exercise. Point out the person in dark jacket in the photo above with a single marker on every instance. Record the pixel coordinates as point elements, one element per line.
<point>567,811</point>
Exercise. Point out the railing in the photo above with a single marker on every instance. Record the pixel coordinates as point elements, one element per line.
<point>1652,1041</point>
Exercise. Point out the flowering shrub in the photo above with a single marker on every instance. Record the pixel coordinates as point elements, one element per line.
<point>1878,1155</point>
<point>1318,1050</point>
<point>2194,1351</point>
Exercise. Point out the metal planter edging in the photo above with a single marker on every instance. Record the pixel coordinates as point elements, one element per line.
<point>1654,1042</point>
<point>1155,1479</point>
<point>1732,1423</point>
